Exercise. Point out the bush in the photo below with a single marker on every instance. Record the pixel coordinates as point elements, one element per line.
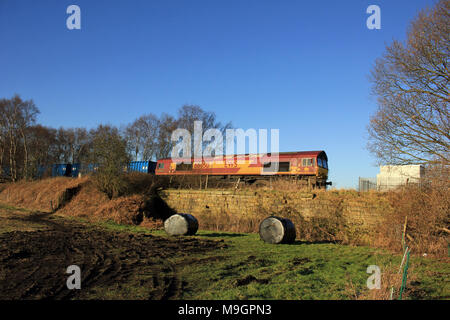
<point>110,153</point>
<point>144,183</point>
<point>111,183</point>
<point>427,210</point>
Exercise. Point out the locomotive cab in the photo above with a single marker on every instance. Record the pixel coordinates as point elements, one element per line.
<point>322,168</point>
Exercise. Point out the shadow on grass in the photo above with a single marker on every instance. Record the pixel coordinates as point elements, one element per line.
<point>222,235</point>
<point>32,217</point>
<point>299,242</point>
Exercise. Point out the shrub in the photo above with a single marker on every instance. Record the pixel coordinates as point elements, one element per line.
<point>111,183</point>
<point>426,210</point>
<point>110,153</point>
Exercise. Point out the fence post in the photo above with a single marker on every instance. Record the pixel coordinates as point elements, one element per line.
<point>404,277</point>
<point>404,234</point>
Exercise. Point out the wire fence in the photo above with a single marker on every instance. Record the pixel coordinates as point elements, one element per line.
<point>367,184</point>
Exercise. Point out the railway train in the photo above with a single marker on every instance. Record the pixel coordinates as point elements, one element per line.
<point>308,166</point>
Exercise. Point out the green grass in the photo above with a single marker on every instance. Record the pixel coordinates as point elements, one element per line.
<point>252,269</point>
<point>433,278</point>
<point>4,208</point>
<point>248,268</point>
<point>9,223</point>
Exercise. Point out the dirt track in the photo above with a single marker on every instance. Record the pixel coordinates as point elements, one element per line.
<point>115,265</point>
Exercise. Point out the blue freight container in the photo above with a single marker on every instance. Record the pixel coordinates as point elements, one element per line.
<point>59,170</point>
<point>141,166</point>
<point>76,167</point>
<point>66,170</point>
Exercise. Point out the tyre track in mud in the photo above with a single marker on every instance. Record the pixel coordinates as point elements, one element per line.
<point>114,265</point>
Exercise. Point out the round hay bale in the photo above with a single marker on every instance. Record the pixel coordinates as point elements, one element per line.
<point>277,230</point>
<point>181,224</point>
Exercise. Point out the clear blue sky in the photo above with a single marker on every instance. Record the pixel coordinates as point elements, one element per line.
<point>297,66</point>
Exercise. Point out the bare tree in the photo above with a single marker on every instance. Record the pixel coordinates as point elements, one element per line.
<point>28,112</point>
<point>166,125</point>
<point>3,136</point>
<point>9,122</point>
<point>42,149</point>
<point>149,137</point>
<point>149,125</point>
<point>63,143</point>
<point>133,136</point>
<point>141,137</point>
<point>71,144</point>
<point>188,114</point>
<point>16,117</point>
<point>77,141</point>
<point>411,82</point>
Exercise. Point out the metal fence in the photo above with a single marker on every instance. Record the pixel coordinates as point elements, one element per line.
<point>366,184</point>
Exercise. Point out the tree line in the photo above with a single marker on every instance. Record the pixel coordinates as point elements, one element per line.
<point>26,146</point>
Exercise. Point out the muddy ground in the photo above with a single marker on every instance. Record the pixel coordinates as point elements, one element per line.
<point>37,248</point>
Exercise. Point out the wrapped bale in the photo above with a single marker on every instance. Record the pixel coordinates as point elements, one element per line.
<point>181,224</point>
<point>277,230</point>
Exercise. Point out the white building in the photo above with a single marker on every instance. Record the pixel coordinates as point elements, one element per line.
<point>391,177</point>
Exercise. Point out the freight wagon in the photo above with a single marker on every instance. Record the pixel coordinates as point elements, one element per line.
<point>72,170</point>
<point>66,170</point>
<point>141,166</point>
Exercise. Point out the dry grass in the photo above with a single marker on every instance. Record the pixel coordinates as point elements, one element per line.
<point>152,224</point>
<point>125,210</point>
<point>391,280</point>
<point>426,211</point>
<point>140,207</point>
<point>43,195</point>
<point>82,198</point>
<point>231,223</point>
<point>86,202</point>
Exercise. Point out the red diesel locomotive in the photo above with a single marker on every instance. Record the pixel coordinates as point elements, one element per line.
<point>308,166</point>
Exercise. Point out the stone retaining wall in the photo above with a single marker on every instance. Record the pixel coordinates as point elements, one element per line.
<point>356,214</point>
